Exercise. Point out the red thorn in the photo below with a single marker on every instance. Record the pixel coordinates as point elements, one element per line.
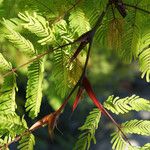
<point>77,99</point>
<point>91,94</point>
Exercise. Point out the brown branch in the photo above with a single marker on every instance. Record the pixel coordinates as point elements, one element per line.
<point>36,58</point>
<point>28,62</point>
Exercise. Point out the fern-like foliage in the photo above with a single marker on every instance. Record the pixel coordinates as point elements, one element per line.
<point>124,105</point>
<point>75,17</point>
<point>144,56</point>
<point>27,142</point>
<point>141,127</point>
<point>120,106</point>
<point>7,95</point>
<point>8,89</point>
<point>18,40</point>
<point>130,37</point>
<point>12,124</point>
<point>92,9</point>
<point>65,75</point>
<point>88,130</point>
<point>137,127</point>
<point>4,65</point>
<point>34,88</point>
<point>119,143</point>
<point>39,26</point>
<point>61,72</point>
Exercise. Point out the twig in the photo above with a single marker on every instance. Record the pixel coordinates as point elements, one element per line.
<point>36,58</point>
<point>138,8</point>
<point>66,12</point>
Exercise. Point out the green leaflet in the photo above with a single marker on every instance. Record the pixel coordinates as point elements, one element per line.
<point>12,124</point>
<point>130,37</point>
<point>144,56</point>
<point>27,142</point>
<point>8,89</point>
<point>141,127</point>
<point>61,57</point>
<point>60,72</point>
<point>39,26</point>
<point>34,88</point>
<point>118,143</point>
<point>4,65</point>
<point>78,21</point>
<point>124,105</point>
<point>18,40</point>
<point>118,106</point>
<point>88,130</point>
<point>7,95</point>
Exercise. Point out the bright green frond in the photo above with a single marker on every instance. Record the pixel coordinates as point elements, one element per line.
<point>39,26</point>
<point>93,9</point>
<point>34,88</point>
<point>118,143</point>
<point>27,142</point>
<point>12,124</point>
<point>3,142</point>
<point>62,32</point>
<point>144,56</point>
<point>141,127</point>
<point>7,95</point>
<point>22,44</point>
<point>61,58</point>
<point>146,147</point>
<point>130,37</point>
<point>60,72</point>
<point>4,65</point>
<point>88,130</point>
<point>124,105</point>
<point>78,21</point>
<point>8,89</point>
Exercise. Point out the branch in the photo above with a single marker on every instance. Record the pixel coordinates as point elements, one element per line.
<point>46,119</point>
<point>36,58</point>
<point>138,8</point>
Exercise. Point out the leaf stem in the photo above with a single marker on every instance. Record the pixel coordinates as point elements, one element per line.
<point>138,8</point>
